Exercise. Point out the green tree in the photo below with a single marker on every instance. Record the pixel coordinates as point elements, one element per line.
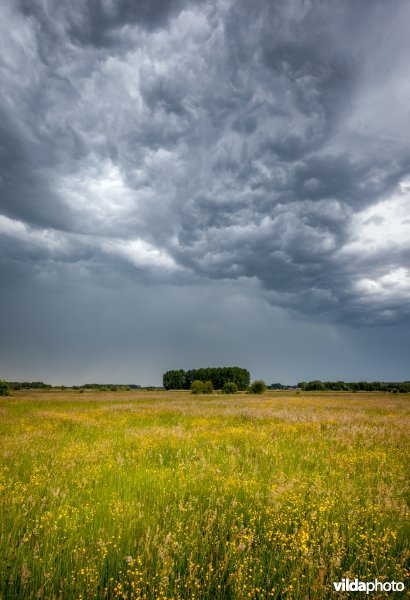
<point>173,380</point>
<point>197,387</point>
<point>4,388</point>
<point>257,387</point>
<point>229,387</point>
<point>208,387</point>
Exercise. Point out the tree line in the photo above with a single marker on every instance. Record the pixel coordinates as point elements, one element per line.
<point>28,385</point>
<point>178,379</point>
<point>219,377</point>
<point>356,386</point>
<point>107,387</point>
<point>40,385</point>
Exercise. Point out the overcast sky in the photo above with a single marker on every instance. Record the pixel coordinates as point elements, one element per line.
<point>201,183</point>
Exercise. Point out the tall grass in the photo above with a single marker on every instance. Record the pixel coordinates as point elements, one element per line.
<point>164,495</point>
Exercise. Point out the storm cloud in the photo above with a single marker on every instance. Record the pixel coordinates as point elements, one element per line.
<point>179,143</point>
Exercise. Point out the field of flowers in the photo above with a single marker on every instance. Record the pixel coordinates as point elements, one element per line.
<point>160,495</point>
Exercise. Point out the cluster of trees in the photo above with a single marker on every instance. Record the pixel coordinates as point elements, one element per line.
<point>107,387</point>
<point>218,376</point>
<point>356,386</point>
<point>40,385</point>
<point>280,386</point>
<point>28,385</point>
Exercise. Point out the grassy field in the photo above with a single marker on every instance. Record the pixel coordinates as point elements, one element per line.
<point>168,495</point>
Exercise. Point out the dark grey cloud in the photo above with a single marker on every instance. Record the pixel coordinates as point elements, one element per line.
<point>97,22</point>
<point>178,142</point>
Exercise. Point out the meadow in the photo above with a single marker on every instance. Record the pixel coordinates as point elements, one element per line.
<point>165,495</point>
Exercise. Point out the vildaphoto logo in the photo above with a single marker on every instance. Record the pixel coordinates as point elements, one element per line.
<point>368,586</point>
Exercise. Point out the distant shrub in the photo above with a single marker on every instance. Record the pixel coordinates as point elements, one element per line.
<point>229,388</point>
<point>197,387</point>
<point>4,388</point>
<point>208,387</point>
<point>257,387</point>
<point>201,387</point>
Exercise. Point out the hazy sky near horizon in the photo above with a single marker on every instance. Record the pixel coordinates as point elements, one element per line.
<point>188,184</point>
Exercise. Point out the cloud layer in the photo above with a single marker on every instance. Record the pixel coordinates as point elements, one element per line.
<point>179,141</point>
